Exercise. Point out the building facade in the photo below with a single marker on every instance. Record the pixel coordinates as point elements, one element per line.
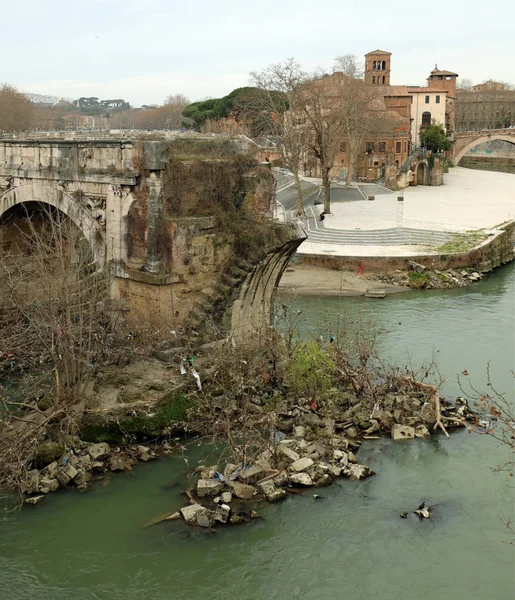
<point>487,105</point>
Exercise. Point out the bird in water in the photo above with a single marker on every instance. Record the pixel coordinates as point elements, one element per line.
<point>423,513</point>
<point>404,515</point>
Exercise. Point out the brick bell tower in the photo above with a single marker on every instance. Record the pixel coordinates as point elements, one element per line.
<point>377,67</point>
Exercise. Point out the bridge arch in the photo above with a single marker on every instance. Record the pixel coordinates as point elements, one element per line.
<point>481,140</point>
<point>53,196</point>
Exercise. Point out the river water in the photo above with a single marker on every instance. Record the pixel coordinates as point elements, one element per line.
<point>351,544</point>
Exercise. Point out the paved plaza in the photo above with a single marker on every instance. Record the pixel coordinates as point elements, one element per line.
<point>428,216</point>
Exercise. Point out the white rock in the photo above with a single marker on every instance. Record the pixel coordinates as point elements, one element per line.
<point>357,472</point>
<point>99,451</point>
<point>208,487</point>
<point>241,490</point>
<point>402,432</point>
<point>299,432</point>
<point>288,453</point>
<point>281,479</point>
<point>226,497</point>
<point>49,483</point>
<point>301,479</point>
<point>267,487</point>
<point>205,518</point>
<point>421,431</point>
<point>276,495</point>
<point>338,454</point>
<point>334,471</point>
<point>302,464</point>
<point>189,513</point>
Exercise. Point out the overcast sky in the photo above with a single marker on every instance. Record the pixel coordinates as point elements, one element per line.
<point>144,50</point>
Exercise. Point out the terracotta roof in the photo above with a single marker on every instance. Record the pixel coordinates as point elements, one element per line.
<point>414,89</point>
<point>437,71</point>
<point>378,52</point>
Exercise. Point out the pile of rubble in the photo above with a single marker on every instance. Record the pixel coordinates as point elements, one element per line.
<point>293,466</point>
<point>83,466</point>
<point>314,454</point>
<point>431,278</point>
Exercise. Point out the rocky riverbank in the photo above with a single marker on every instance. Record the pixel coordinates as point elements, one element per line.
<point>311,450</point>
<point>419,277</point>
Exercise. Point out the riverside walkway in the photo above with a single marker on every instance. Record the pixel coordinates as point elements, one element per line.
<point>470,200</point>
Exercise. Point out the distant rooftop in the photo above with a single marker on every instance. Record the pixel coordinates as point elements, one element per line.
<point>378,52</point>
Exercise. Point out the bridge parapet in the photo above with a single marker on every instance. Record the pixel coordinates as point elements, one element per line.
<point>466,140</point>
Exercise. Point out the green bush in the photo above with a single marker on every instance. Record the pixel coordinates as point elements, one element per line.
<point>311,370</point>
<point>418,280</point>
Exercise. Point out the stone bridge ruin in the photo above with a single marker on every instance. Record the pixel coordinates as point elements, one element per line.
<point>100,184</point>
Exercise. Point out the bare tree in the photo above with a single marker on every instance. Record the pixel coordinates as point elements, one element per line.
<point>349,65</point>
<point>54,327</point>
<point>318,101</point>
<point>277,91</point>
<point>361,108</point>
<point>15,109</point>
<point>464,84</point>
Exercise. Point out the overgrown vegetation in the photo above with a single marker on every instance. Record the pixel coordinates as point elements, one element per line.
<point>462,242</point>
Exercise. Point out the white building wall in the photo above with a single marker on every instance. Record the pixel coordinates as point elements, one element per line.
<point>419,106</point>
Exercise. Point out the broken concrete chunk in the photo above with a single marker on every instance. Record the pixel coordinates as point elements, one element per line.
<point>49,483</point>
<point>241,490</point>
<point>421,431</point>
<point>276,495</point>
<point>205,518</point>
<point>357,472</point>
<point>67,474</point>
<point>299,432</point>
<point>288,453</point>
<point>402,432</point>
<point>99,451</point>
<point>226,497</point>
<point>189,513</point>
<point>251,475</point>
<point>222,513</point>
<point>208,487</point>
<point>302,464</point>
<point>301,479</point>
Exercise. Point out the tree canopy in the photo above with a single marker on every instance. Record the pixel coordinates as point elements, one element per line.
<point>433,138</point>
<point>216,108</point>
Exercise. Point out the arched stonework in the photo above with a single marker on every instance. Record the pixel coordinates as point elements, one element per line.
<point>462,148</point>
<point>74,209</point>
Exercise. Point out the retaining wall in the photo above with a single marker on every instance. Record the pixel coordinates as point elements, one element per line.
<point>492,253</point>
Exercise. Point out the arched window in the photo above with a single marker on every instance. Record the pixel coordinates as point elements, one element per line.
<point>383,67</point>
<point>374,65</point>
<point>374,79</point>
<point>426,119</point>
<point>384,79</point>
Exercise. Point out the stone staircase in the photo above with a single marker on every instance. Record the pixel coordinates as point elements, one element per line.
<point>396,236</point>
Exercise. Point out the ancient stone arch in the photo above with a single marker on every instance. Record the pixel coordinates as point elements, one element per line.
<point>420,174</point>
<point>463,145</point>
<point>82,216</point>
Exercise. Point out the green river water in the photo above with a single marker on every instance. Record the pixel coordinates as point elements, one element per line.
<point>352,544</point>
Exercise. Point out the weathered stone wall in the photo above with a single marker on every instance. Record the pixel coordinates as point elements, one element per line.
<point>182,270</point>
<point>495,252</point>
